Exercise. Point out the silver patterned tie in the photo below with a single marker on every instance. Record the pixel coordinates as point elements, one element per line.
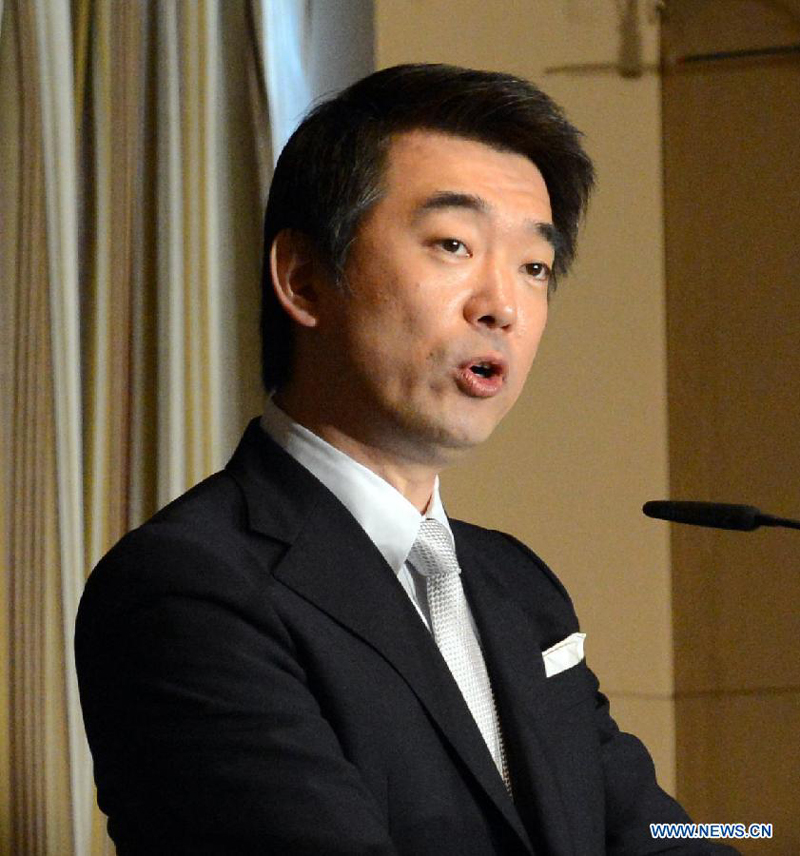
<point>434,557</point>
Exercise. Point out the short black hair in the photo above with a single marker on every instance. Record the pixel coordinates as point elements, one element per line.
<point>330,173</point>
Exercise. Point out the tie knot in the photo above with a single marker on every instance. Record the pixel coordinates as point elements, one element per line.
<point>433,552</point>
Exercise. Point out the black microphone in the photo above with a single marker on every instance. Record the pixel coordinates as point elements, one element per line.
<point>719,515</point>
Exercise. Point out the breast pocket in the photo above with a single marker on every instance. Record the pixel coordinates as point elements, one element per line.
<point>571,687</point>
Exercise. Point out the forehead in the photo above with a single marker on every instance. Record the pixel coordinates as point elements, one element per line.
<point>422,162</point>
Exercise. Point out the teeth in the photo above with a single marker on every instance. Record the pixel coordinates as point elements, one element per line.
<point>482,369</point>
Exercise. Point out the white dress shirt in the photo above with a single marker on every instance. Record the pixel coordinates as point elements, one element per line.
<point>388,518</point>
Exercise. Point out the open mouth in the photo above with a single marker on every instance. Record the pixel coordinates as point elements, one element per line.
<point>484,369</point>
<point>482,378</point>
<point>487,368</point>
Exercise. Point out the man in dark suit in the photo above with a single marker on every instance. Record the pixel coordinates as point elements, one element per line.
<point>303,654</point>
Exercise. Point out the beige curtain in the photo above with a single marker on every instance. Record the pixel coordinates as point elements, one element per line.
<point>134,159</point>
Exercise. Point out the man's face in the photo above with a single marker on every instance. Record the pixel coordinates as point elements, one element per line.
<point>445,298</point>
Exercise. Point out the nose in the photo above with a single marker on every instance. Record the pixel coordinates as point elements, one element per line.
<point>493,302</point>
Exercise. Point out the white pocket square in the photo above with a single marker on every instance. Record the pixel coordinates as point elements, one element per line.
<point>564,654</point>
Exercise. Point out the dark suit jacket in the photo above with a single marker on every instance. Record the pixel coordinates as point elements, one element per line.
<point>255,680</point>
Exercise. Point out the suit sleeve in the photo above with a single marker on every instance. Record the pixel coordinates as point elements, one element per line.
<point>632,797</point>
<point>204,733</point>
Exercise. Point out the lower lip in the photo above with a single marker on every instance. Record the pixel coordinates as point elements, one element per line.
<point>477,386</point>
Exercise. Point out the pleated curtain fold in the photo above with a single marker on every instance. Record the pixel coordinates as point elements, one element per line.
<point>134,162</point>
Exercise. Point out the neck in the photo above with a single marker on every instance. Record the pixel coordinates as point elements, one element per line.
<point>414,480</point>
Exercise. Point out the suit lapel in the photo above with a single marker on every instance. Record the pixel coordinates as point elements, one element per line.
<point>333,564</point>
<point>512,648</point>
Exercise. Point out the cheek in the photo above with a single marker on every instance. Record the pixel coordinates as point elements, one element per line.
<point>389,343</point>
<point>404,327</point>
<point>532,325</point>
<point>530,331</point>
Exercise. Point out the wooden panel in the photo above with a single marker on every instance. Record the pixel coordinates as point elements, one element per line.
<point>732,205</point>
<point>754,764</point>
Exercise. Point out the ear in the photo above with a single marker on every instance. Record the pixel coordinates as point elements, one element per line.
<point>296,276</point>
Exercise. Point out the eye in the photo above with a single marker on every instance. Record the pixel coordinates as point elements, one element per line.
<point>539,271</point>
<point>453,246</point>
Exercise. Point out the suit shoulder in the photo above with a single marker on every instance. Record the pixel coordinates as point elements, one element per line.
<point>197,545</point>
<point>214,502</point>
<point>494,542</point>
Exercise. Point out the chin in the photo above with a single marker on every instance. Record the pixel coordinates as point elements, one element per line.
<point>462,438</point>
<point>440,441</point>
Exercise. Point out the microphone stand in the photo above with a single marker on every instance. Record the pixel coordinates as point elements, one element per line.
<point>718,515</point>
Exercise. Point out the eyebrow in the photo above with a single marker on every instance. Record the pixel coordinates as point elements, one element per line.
<point>442,199</point>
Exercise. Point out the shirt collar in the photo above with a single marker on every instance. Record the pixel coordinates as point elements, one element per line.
<point>388,518</point>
